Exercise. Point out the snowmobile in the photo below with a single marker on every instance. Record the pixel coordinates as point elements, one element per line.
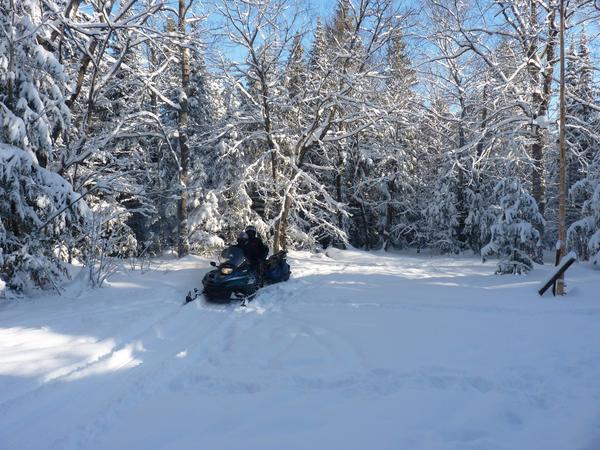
<point>235,276</point>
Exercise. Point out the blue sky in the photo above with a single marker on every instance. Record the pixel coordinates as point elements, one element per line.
<point>318,8</point>
<point>323,8</point>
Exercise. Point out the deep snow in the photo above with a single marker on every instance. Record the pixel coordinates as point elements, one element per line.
<point>358,350</point>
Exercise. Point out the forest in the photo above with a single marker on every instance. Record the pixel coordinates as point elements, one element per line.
<point>135,128</point>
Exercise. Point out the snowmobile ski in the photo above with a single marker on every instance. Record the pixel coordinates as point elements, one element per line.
<point>246,298</point>
<point>191,297</point>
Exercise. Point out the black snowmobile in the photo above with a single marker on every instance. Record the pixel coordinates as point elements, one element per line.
<point>235,276</point>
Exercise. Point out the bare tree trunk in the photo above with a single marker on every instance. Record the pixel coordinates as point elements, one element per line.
<point>365,222</point>
<point>268,128</point>
<point>540,101</point>
<point>279,236</point>
<point>281,242</point>
<point>11,61</point>
<point>483,124</point>
<point>536,149</point>
<point>389,216</point>
<point>338,186</point>
<point>461,206</point>
<point>183,246</point>
<point>540,104</point>
<point>538,189</point>
<point>86,60</point>
<point>73,6</point>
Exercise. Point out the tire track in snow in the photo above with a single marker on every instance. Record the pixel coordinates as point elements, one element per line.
<point>185,330</point>
<point>144,383</point>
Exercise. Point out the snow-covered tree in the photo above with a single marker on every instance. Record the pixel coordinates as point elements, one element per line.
<point>442,215</point>
<point>32,83</point>
<point>41,218</point>
<point>583,120</point>
<point>583,235</point>
<point>296,167</point>
<point>380,164</point>
<point>343,130</point>
<point>40,215</point>
<point>514,236</point>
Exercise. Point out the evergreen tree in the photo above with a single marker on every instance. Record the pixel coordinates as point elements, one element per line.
<point>583,121</point>
<point>583,235</point>
<point>399,212</point>
<point>32,84</point>
<point>39,213</point>
<point>295,78</point>
<point>341,25</point>
<point>318,53</point>
<point>40,217</point>
<point>205,221</point>
<point>439,197</point>
<point>514,236</point>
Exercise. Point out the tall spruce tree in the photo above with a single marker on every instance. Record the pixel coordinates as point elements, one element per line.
<point>583,121</point>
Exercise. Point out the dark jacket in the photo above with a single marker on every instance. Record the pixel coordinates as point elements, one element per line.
<point>256,250</point>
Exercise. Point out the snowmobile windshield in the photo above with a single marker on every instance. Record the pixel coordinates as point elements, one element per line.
<point>233,255</point>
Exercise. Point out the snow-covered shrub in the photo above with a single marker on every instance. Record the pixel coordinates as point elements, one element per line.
<point>583,236</point>
<point>108,240</point>
<point>39,213</point>
<point>514,237</point>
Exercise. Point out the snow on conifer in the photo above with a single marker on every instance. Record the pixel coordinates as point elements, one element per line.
<point>514,236</point>
<point>583,236</point>
<point>32,83</point>
<point>442,216</point>
<point>39,213</point>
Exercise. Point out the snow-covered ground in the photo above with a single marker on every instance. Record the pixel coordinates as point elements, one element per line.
<point>356,351</point>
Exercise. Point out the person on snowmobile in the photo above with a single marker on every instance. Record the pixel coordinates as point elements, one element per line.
<point>242,241</point>
<point>256,251</point>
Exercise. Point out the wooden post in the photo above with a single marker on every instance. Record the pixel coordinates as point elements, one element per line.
<point>556,263</point>
<point>560,270</point>
<point>562,188</point>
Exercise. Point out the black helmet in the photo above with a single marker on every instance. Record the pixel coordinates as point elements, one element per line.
<point>251,231</point>
<point>242,238</point>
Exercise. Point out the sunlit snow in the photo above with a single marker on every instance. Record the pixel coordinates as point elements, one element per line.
<point>358,350</point>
